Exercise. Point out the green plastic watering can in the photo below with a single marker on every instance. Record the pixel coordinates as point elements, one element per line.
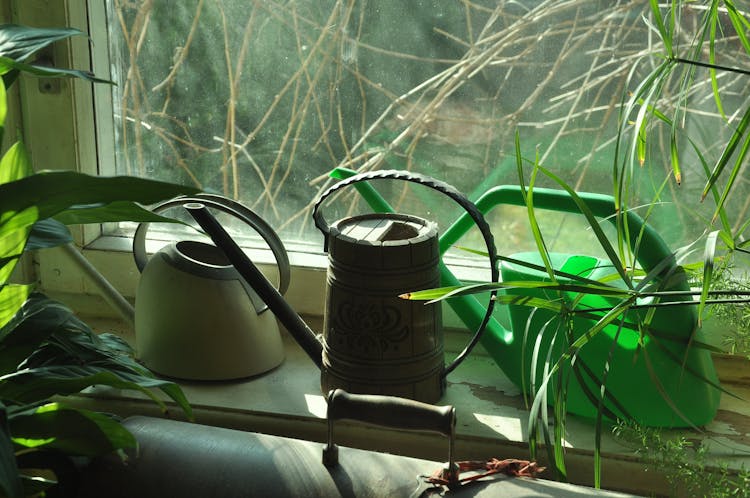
<point>663,379</point>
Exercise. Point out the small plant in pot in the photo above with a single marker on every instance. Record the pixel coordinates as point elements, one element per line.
<point>46,352</point>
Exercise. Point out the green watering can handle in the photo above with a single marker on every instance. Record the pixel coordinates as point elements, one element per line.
<point>652,251</point>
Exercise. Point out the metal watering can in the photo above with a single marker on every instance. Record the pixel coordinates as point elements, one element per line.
<point>195,317</point>
<point>665,380</point>
<point>374,342</point>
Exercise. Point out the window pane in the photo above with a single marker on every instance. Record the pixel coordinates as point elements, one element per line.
<point>259,100</point>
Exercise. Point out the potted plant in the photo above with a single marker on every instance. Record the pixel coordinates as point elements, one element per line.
<point>652,133</point>
<point>46,352</point>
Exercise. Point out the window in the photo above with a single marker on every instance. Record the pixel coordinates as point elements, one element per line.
<point>259,100</point>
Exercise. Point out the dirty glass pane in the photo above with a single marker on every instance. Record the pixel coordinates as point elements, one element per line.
<point>259,100</point>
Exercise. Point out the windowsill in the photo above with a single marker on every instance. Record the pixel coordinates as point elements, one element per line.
<point>491,418</point>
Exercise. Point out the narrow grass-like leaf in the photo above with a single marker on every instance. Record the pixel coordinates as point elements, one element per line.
<point>713,20</point>
<point>739,162</point>
<point>675,157</point>
<point>708,271</point>
<point>601,237</point>
<point>663,33</point>
<point>740,23</point>
<point>726,155</point>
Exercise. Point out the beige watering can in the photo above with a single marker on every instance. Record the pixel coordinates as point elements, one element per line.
<point>195,317</point>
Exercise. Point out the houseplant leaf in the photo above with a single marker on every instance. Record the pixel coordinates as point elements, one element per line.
<point>12,297</point>
<point>46,194</point>
<point>10,484</point>
<point>15,164</point>
<point>38,319</point>
<point>20,42</point>
<point>48,233</point>
<point>73,431</point>
<point>11,68</point>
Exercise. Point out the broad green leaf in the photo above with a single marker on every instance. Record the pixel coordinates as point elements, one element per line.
<point>12,297</point>
<point>36,321</point>
<point>12,244</point>
<point>10,484</point>
<point>73,354</point>
<point>15,164</point>
<point>10,66</point>
<point>20,42</point>
<point>52,192</point>
<point>73,431</point>
<point>3,109</point>
<point>113,211</point>
<point>48,233</point>
<point>31,385</point>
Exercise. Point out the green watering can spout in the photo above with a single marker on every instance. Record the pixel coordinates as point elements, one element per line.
<point>658,377</point>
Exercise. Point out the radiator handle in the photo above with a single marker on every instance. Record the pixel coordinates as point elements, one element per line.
<point>393,412</point>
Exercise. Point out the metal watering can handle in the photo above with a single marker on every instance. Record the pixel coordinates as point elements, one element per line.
<point>652,252</point>
<point>472,214</point>
<point>232,208</point>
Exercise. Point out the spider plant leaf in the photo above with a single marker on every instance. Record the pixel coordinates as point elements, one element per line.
<point>725,156</point>
<point>641,141</point>
<point>740,24</point>
<point>664,34</point>
<point>527,195</point>
<point>713,22</point>
<point>708,270</point>
<point>596,228</point>
<point>675,157</point>
<point>739,161</point>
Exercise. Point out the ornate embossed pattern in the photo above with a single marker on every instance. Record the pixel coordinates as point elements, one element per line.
<point>369,328</point>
